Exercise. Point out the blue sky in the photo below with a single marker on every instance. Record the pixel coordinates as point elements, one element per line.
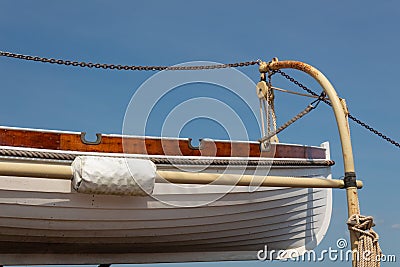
<point>355,43</point>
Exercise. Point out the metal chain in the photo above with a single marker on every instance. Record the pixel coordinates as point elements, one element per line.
<point>353,118</point>
<point>125,67</point>
<point>369,128</point>
<point>159,68</point>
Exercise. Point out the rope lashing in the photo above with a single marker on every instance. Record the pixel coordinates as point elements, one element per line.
<point>368,252</point>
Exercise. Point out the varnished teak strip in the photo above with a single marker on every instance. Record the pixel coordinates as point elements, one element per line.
<point>151,146</point>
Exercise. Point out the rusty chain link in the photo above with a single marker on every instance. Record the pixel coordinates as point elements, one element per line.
<point>125,67</point>
<point>371,129</point>
<point>353,118</point>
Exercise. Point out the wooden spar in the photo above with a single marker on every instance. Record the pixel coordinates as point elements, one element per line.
<point>249,180</point>
<point>340,111</point>
<point>18,169</point>
<point>65,172</point>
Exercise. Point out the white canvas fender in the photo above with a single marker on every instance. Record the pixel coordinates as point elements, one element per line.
<point>113,176</point>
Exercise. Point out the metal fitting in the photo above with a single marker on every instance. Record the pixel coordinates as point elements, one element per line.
<point>350,180</point>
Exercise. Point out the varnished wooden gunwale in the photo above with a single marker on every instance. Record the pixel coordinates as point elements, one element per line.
<point>151,145</point>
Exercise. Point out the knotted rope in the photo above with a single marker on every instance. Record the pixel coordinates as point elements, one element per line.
<point>368,251</point>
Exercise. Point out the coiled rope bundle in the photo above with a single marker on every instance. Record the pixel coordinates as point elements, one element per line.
<point>368,251</point>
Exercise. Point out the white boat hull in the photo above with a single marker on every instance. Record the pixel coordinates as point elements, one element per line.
<point>49,223</point>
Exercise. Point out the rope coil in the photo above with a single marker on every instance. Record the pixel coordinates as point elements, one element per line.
<point>369,252</point>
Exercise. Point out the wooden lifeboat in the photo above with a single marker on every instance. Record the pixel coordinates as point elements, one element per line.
<point>43,220</point>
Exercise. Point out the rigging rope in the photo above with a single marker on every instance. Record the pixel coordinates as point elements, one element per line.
<point>307,110</point>
<point>262,107</point>
<point>293,92</point>
<point>266,97</point>
<point>271,103</point>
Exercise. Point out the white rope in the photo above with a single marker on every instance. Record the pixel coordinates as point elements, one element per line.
<point>271,114</point>
<point>267,110</point>
<point>265,106</point>
<point>294,92</point>
<point>262,117</point>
